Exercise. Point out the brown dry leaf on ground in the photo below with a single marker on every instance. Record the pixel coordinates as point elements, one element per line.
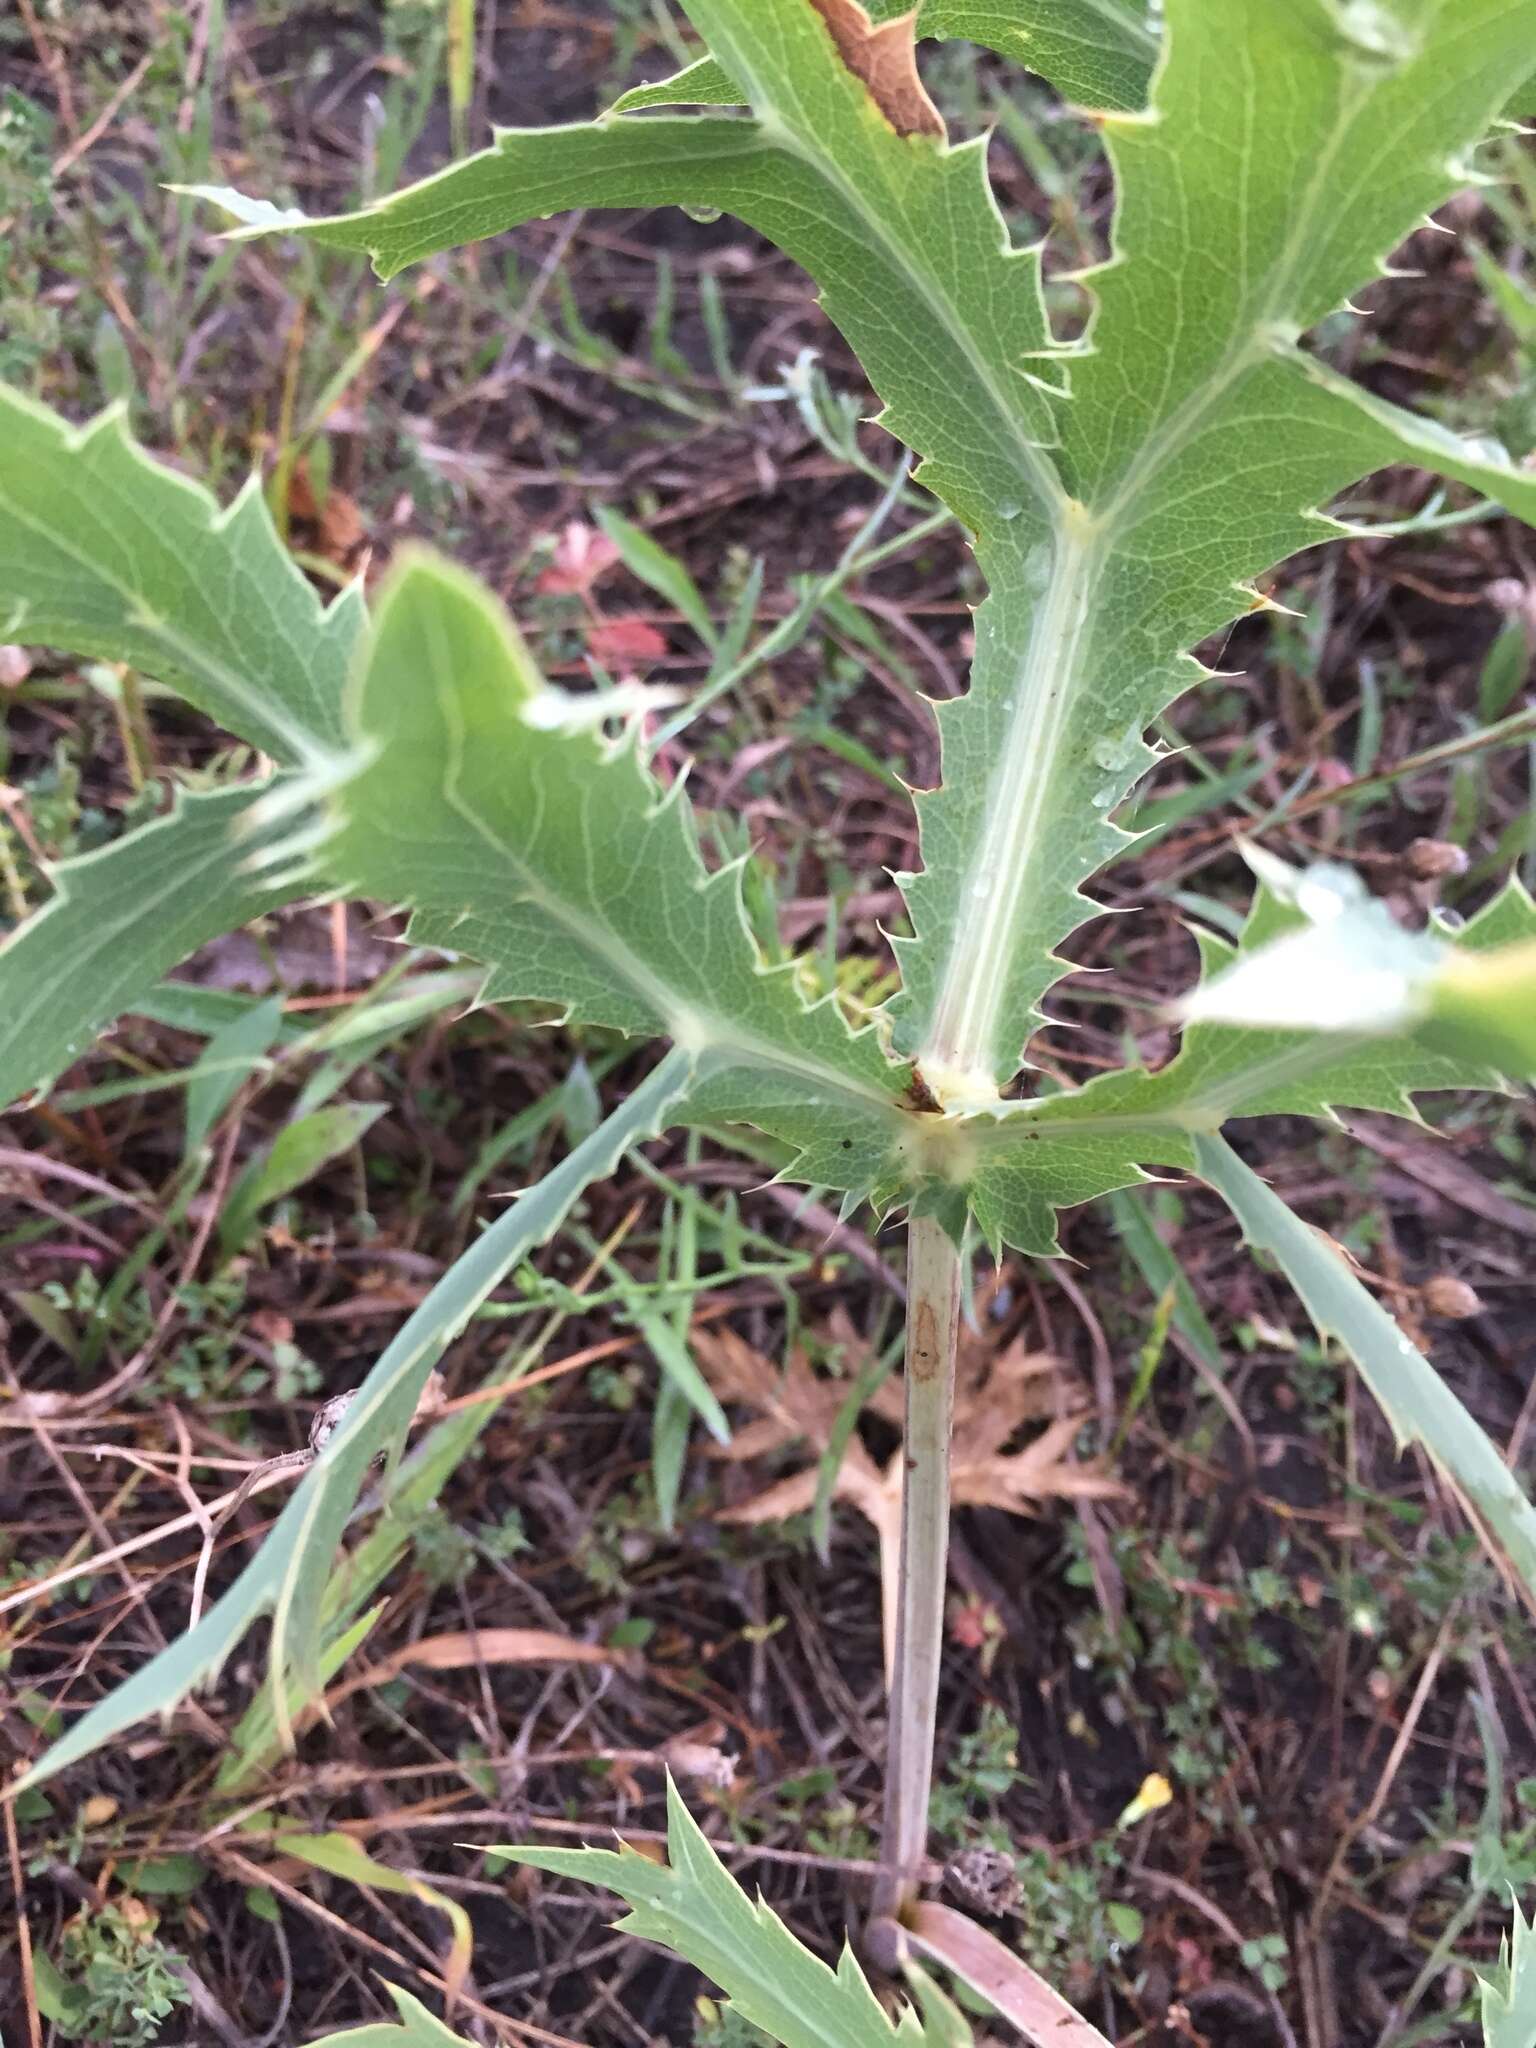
<point>330,526</point>
<point>997,1392</point>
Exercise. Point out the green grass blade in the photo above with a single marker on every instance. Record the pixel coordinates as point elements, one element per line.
<point>1412,1395</point>
<point>255,1742</point>
<point>1164,1275</point>
<point>295,1155</point>
<point>233,1053</point>
<point>648,560</point>
<point>287,1577</point>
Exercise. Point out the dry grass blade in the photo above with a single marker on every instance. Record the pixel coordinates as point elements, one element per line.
<point>465,1648</point>
<point>980,1960</point>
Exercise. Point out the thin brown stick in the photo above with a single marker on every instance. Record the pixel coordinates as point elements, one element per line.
<point>55,66</point>
<point>68,158</point>
<point>23,1930</point>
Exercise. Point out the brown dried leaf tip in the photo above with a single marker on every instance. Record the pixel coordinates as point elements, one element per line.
<point>885,58</point>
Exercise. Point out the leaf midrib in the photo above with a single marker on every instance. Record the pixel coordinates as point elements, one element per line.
<point>1250,345</point>
<point>1036,468</point>
<point>1201,1112</point>
<point>967,1008</point>
<point>684,1021</point>
<point>270,712</point>
<point>966,1012</point>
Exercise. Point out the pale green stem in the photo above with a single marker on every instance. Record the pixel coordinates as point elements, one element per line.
<point>933,1322</point>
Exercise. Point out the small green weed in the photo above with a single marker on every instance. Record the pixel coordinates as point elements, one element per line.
<point>620,1538</point>
<point>1266,1958</point>
<point>1157,1658</point>
<point>983,1770</point>
<point>821,1815</point>
<point>1069,1923</point>
<point>719,2025</point>
<point>115,1981</point>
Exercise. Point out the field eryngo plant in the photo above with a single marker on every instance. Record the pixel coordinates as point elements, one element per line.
<point>1124,490</point>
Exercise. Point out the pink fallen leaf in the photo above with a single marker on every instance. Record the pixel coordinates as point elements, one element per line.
<point>615,641</point>
<point>581,555</point>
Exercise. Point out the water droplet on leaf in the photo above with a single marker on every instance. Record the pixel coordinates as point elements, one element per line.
<point>1377,31</point>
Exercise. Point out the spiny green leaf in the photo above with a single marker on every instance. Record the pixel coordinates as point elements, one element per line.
<point>1097,53</point>
<point>1343,964</point>
<point>1483,1006</point>
<point>902,234</point>
<point>959,348</point>
<point>1414,1397</point>
<point>1347,1061</point>
<point>1345,967</point>
<point>1508,1992</point>
<point>123,915</point>
<point>554,855</point>
<point>417,2029</point>
<point>105,552</point>
<point>287,1578</point>
<point>1196,439</point>
<point>1291,147</point>
<point>693,1906</point>
<point>1033,1157</point>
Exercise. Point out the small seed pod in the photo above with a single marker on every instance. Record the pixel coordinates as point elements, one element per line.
<point>983,1879</point>
<point>327,1420</point>
<point>1448,1299</point>
<point>1431,860</point>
